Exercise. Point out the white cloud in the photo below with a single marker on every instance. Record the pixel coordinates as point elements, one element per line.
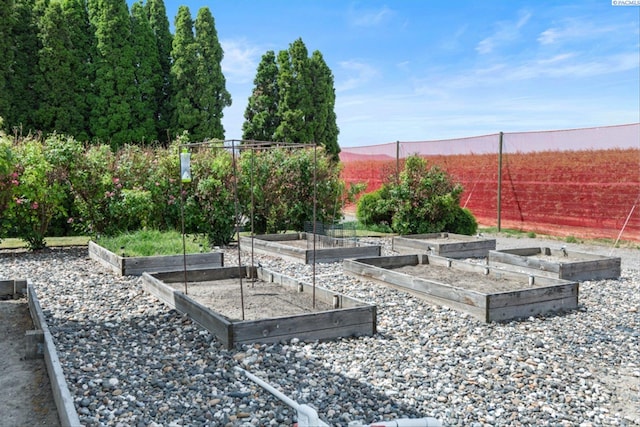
<point>357,74</point>
<point>240,60</point>
<point>507,32</point>
<point>369,17</point>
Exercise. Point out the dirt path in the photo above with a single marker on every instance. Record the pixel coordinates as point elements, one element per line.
<point>27,399</point>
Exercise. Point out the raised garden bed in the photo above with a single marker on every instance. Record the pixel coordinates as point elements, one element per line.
<point>447,245</point>
<point>135,266</point>
<point>294,246</point>
<point>12,288</point>
<point>489,294</point>
<point>558,263</point>
<point>277,307</point>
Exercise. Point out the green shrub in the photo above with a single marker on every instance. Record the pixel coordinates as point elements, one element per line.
<point>374,208</point>
<point>425,200</point>
<point>281,197</point>
<point>463,222</point>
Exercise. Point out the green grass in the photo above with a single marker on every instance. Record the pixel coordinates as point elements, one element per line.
<point>152,242</point>
<point>51,242</point>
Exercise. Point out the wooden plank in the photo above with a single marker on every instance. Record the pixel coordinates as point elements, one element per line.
<point>533,295</point>
<point>219,273</point>
<point>13,287</point>
<point>207,318</point>
<point>339,254</point>
<point>533,309</point>
<point>106,258</point>
<point>323,325</point>
<point>135,266</point>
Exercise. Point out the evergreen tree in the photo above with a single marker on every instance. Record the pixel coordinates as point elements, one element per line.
<point>212,96</point>
<point>55,75</point>
<point>322,116</point>
<point>157,15</point>
<point>261,119</point>
<point>183,70</point>
<point>294,104</point>
<point>148,77</point>
<point>83,53</point>
<point>6,47</point>
<point>20,81</point>
<point>112,119</point>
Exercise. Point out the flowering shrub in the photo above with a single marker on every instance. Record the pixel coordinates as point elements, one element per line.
<point>42,186</point>
<point>8,180</point>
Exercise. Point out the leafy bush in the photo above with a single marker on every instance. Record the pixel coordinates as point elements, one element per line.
<point>9,174</point>
<point>210,205</point>
<point>424,200</point>
<point>374,208</point>
<point>43,187</point>
<point>276,188</point>
<point>463,222</point>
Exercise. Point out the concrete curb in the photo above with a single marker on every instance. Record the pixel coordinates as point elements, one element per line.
<point>64,402</point>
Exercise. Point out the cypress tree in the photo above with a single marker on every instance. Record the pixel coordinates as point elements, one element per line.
<point>112,119</point>
<point>83,51</point>
<point>183,70</point>
<point>212,96</point>
<point>148,77</point>
<point>295,94</point>
<point>261,119</point>
<point>6,28</point>
<point>20,81</point>
<point>322,116</point>
<point>55,77</point>
<point>157,15</point>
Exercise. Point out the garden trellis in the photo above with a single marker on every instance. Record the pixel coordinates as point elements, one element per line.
<point>189,151</point>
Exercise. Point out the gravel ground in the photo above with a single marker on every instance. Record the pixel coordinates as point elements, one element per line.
<point>129,360</point>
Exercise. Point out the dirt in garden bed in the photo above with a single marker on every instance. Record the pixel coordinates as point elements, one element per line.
<point>262,300</point>
<point>478,282</point>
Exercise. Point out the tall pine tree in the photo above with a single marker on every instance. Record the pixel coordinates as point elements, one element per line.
<point>113,119</point>
<point>294,104</point>
<point>83,53</point>
<point>185,114</point>
<point>148,77</point>
<point>322,116</point>
<point>157,15</point>
<point>212,93</point>
<point>6,47</point>
<point>261,118</point>
<point>20,81</point>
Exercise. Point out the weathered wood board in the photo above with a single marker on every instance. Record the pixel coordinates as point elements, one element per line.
<point>13,287</point>
<point>489,294</point>
<point>287,246</point>
<point>447,245</point>
<point>349,316</point>
<point>135,266</point>
<point>559,263</point>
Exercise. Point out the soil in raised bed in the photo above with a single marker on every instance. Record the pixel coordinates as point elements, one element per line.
<point>262,300</point>
<point>486,284</point>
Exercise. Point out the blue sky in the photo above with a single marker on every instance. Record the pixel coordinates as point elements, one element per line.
<point>414,70</point>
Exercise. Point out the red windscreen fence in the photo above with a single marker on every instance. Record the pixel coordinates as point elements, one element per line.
<point>579,182</point>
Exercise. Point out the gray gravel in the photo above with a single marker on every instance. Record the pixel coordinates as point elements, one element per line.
<point>129,360</point>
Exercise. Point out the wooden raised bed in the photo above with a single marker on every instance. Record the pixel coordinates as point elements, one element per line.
<point>489,294</point>
<point>135,266</point>
<point>15,288</point>
<point>558,263</point>
<point>348,317</point>
<point>447,245</point>
<point>293,246</point>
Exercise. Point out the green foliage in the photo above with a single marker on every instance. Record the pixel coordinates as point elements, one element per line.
<point>276,188</point>
<point>42,190</point>
<point>374,208</point>
<point>261,119</point>
<point>571,239</point>
<point>425,200</point>
<point>9,175</point>
<point>152,242</point>
<point>210,205</point>
<point>293,100</point>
